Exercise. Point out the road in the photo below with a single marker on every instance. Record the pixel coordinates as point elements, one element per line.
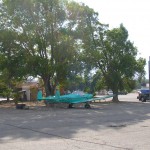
<point>107,126</point>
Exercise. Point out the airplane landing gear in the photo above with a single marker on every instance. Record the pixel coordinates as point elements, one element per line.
<point>87,105</point>
<point>70,106</point>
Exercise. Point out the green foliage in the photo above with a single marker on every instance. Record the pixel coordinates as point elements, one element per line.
<point>16,97</point>
<point>3,87</point>
<point>63,41</point>
<point>115,56</point>
<point>43,35</point>
<point>119,63</point>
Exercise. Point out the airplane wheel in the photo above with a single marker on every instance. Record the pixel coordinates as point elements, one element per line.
<point>70,106</point>
<point>87,106</point>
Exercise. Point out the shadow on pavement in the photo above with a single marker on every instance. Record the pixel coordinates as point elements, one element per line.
<point>42,122</point>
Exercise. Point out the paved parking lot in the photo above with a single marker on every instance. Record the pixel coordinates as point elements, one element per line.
<point>107,126</point>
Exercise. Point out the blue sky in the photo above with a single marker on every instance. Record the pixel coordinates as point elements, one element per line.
<point>135,16</point>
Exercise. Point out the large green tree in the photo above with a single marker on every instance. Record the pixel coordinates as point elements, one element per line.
<point>50,33</point>
<point>116,57</point>
<point>86,27</point>
<point>43,34</point>
<point>12,61</point>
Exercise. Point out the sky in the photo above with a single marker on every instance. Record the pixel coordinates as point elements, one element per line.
<point>133,14</point>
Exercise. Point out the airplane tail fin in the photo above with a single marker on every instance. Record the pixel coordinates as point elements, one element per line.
<point>57,94</point>
<point>39,95</point>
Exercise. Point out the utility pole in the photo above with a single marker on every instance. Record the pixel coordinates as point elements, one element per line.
<point>149,75</point>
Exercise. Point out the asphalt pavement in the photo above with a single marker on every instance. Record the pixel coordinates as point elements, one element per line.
<point>106,126</point>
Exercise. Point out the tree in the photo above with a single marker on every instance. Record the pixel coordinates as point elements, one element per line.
<point>115,56</point>
<point>87,27</point>
<point>10,69</point>
<point>50,33</point>
<point>43,34</point>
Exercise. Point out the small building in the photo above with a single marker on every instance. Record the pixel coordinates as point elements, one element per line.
<point>30,90</point>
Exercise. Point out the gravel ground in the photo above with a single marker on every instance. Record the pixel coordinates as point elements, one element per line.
<point>106,126</point>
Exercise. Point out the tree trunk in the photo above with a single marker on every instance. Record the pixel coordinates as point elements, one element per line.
<point>115,98</point>
<point>49,89</point>
<point>8,98</point>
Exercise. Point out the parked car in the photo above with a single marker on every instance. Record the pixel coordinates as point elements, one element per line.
<point>110,92</point>
<point>143,95</point>
<point>119,93</point>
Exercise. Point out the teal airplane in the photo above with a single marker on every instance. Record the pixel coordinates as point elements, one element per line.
<point>70,99</point>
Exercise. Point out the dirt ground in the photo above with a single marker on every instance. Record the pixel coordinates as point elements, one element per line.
<point>11,104</point>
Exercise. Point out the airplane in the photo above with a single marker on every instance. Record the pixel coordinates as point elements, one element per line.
<point>70,99</point>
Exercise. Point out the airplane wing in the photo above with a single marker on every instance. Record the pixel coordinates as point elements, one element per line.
<point>92,99</point>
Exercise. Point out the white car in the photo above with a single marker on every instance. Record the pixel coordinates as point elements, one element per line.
<point>110,92</point>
